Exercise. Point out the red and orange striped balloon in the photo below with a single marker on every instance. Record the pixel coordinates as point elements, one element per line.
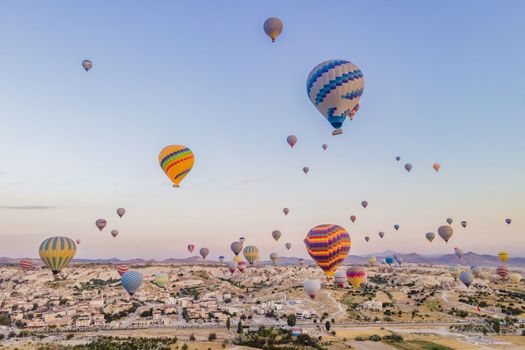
<point>26,264</point>
<point>328,245</point>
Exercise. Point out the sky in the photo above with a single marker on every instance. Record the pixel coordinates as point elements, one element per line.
<point>443,83</point>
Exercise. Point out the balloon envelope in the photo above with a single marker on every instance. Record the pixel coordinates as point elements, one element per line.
<point>114,233</point>
<point>367,238</point>
<point>408,167</point>
<point>57,252</point>
<point>372,260</point>
<point>236,247</point>
<point>334,88</point>
<point>251,253</point>
<point>515,278</point>
<point>286,211</point>
<point>467,278</point>
<point>292,140</point>
<point>325,146</point>
<point>503,272</point>
<point>464,223</point>
<point>101,223</point>
<point>503,256</point>
<point>356,275</point>
<point>162,279</point>
<point>122,269</point>
<point>131,281</point>
<point>241,265</point>
<point>121,212</point>
<point>232,266</point>
<point>459,252</point>
<point>340,278</point>
<point>273,27</point>
<point>176,161</point>
<point>25,264</point>
<point>430,236</point>
<point>445,232</point>
<point>87,65</point>
<point>191,248</point>
<point>242,239</point>
<point>312,287</point>
<point>364,204</point>
<point>398,158</point>
<point>276,235</point>
<point>353,218</point>
<point>450,221</point>
<point>288,245</point>
<point>328,245</point>
<point>221,258</point>
<point>396,227</point>
<point>508,221</point>
<point>436,166</point>
<point>204,252</point>
<point>274,257</point>
<point>306,170</point>
<point>389,260</point>
<point>78,241</point>
<point>381,234</point>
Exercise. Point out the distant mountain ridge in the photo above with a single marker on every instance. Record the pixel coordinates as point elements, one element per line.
<point>469,258</point>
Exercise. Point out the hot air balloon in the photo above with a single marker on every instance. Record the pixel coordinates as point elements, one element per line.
<point>161,279</point>
<point>78,241</point>
<point>236,258</point>
<point>459,252</point>
<point>476,270</point>
<point>204,252</point>
<point>301,261</point>
<point>340,278</point>
<point>114,233</point>
<point>408,167</point>
<point>276,235</point>
<point>232,266</point>
<point>57,252</point>
<point>221,258</point>
<point>101,223</point>
<point>288,245</point>
<point>381,234</point>
<point>251,253</point>
<point>242,239</point>
<point>508,221</point>
<point>292,140</point>
<point>312,287</point>
<point>335,87</point>
<point>364,204</point>
<point>467,278</point>
<point>286,211</point>
<point>306,170</point>
<point>122,269</point>
<point>503,272</point>
<point>455,270</point>
<point>367,238</point>
<point>236,247</point>
<point>26,264</point>
<point>445,232</point>
<point>131,281</point>
<point>87,65</point>
<point>464,224</point>
<point>372,260</point>
<point>241,265</point>
<point>328,245</point>
<point>450,221</point>
<point>191,248</point>
<point>389,260</point>
<point>436,167</point>
<point>430,236</point>
<point>396,227</point>
<point>515,278</point>
<point>355,275</point>
<point>273,27</point>
<point>503,256</point>
<point>325,146</point>
<point>399,259</point>
<point>398,158</point>
<point>176,161</point>
<point>274,257</point>
<point>353,218</point>
<point>121,212</point>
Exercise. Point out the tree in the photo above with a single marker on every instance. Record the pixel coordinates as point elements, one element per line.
<point>228,323</point>
<point>239,327</point>
<point>212,336</point>
<point>192,338</point>
<point>184,346</point>
<point>291,320</point>
<point>327,326</point>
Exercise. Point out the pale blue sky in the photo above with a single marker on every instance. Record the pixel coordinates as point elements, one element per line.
<point>444,83</point>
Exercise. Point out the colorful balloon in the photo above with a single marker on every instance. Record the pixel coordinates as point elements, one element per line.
<point>241,265</point>
<point>430,236</point>
<point>26,264</point>
<point>464,224</point>
<point>251,253</point>
<point>292,140</point>
<point>162,279</point>
<point>503,272</point>
<point>335,87</point>
<point>176,161</point>
<point>101,223</point>
<point>114,233</point>
<point>396,227</point>
<point>242,239</point>
<point>372,260</point>
<point>364,204</point>
<point>221,258</point>
<point>274,257</point>
<point>325,146</point>
<point>399,259</point>
<point>286,211</point>
<point>459,252</point>
<point>131,281</point>
<point>236,247</point>
<point>301,261</point>
<point>306,170</point>
<point>204,252</point>
<point>288,245</point>
<point>276,235</point>
<point>408,167</point>
<point>515,278</point>
<point>232,266</point>
<point>236,258</point>
<point>312,287</point>
<point>436,167</point>
<point>450,221</point>
<point>467,278</point>
<point>381,234</point>
<point>389,260</point>
<point>445,232</point>
<point>356,275</point>
<point>57,252</point>
<point>273,27</point>
<point>340,278</point>
<point>122,269</point>
<point>191,248</point>
<point>121,212</point>
<point>87,65</point>
<point>353,218</point>
<point>328,245</point>
<point>508,221</point>
<point>503,256</point>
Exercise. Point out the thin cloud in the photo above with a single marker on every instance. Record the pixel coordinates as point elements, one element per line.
<point>247,182</point>
<point>27,207</point>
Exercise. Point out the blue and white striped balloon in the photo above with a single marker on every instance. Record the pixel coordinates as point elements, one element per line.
<point>131,281</point>
<point>335,87</point>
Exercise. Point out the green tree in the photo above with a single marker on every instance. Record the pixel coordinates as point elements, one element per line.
<point>327,326</point>
<point>228,323</point>
<point>291,320</point>
<point>192,337</point>
<point>212,336</point>
<point>239,327</point>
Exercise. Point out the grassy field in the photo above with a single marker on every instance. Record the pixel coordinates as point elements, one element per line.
<point>418,345</point>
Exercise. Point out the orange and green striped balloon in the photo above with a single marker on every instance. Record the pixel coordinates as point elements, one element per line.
<point>328,245</point>
<point>57,252</point>
<point>176,161</point>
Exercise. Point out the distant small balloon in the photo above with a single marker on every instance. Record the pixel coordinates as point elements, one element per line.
<point>367,238</point>
<point>436,166</point>
<point>122,269</point>
<point>274,257</point>
<point>312,287</point>
<point>121,212</point>
<point>292,140</point>
<point>467,278</point>
<point>503,256</point>
<point>396,227</point>
<point>78,241</point>
<point>340,278</point>
<point>389,260</point>
<point>364,204</point>
<point>430,236</point>
<point>114,233</point>
<point>87,65</point>
<point>459,252</point>
<point>464,223</point>
<point>191,248</point>
<point>372,260</point>
<point>236,247</point>
<point>273,27</point>
<point>408,167</point>
<point>381,234</point>
<point>241,265</point>
<point>101,223</point>
<point>508,221</point>
<point>515,278</point>
<point>204,252</point>
<point>503,272</point>
<point>221,258</point>
<point>288,245</point>
<point>162,279</point>
<point>25,264</point>
<point>242,239</point>
<point>306,170</point>
<point>325,146</point>
<point>398,158</point>
<point>445,232</point>
<point>286,211</point>
<point>276,235</point>
<point>353,218</point>
<point>450,221</point>
<point>232,266</point>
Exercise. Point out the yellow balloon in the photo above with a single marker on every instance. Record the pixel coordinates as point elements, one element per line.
<point>57,252</point>
<point>176,161</point>
<point>236,258</point>
<point>503,256</point>
<point>515,277</point>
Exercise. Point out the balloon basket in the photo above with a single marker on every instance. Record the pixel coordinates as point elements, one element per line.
<point>337,132</point>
